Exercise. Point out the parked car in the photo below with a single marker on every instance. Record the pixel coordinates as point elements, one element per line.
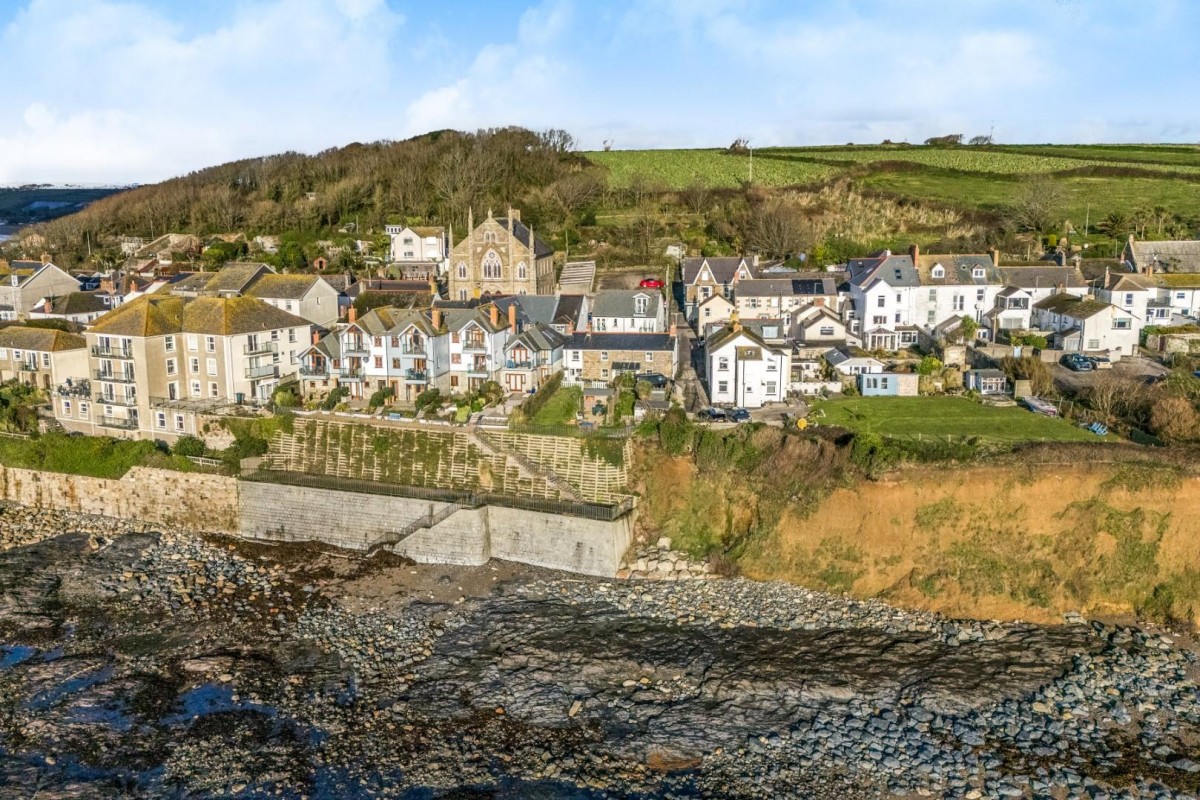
<point>1077,363</point>
<point>651,283</point>
<point>655,379</point>
<point>713,415</point>
<point>1100,362</point>
<point>739,415</point>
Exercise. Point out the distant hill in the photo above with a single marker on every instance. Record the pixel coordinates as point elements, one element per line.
<point>20,205</point>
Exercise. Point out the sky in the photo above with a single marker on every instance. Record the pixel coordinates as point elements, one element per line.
<point>136,91</point>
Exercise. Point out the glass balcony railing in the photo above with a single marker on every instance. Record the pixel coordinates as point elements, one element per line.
<point>112,377</point>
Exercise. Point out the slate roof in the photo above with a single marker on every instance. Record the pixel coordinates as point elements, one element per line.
<point>537,338</point>
<point>569,310</point>
<point>79,303</point>
<point>621,303</point>
<point>1129,282</point>
<point>731,333</point>
<point>649,342</point>
<point>960,269</point>
<point>44,340</point>
<point>1039,277</point>
<point>895,271</point>
<point>723,268</point>
<point>235,277</point>
<point>521,234</point>
<point>283,287</point>
<point>1165,256</point>
<point>801,283</point>
<point>457,319</point>
<point>1178,280</point>
<point>1072,306</point>
<point>154,315</point>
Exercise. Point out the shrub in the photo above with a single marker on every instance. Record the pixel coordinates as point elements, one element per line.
<point>190,446</point>
<point>929,365</point>
<point>381,396</point>
<point>675,432</point>
<point>335,396</point>
<point>429,397</point>
<point>873,455</point>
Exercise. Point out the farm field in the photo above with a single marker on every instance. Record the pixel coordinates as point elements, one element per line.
<point>968,178</point>
<point>939,417</point>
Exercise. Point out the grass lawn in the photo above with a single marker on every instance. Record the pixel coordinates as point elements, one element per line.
<point>95,456</point>
<point>946,416</point>
<point>561,408</point>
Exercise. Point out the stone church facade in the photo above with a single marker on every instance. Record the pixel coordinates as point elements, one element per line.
<point>500,256</point>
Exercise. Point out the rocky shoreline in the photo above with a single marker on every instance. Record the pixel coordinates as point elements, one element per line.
<point>149,663</point>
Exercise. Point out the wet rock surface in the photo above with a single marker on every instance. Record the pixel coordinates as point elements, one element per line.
<point>139,663</point>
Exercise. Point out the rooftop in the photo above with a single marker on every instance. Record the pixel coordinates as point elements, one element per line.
<point>155,315</point>
<point>45,340</point>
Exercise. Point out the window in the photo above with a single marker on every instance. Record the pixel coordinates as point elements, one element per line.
<point>1129,298</point>
<point>160,420</point>
<point>1093,344</point>
<point>377,341</point>
<point>395,363</point>
<point>179,422</point>
<point>937,272</point>
<point>826,330</point>
<point>897,317</point>
<point>931,317</point>
<point>16,355</point>
<point>212,389</point>
<point>959,302</point>
<point>879,320</point>
<point>979,294</point>
<point>195,388</point>
<point>169,344</point>
<point>456,358</point>
<point>453,381</point>
<point>194,364</point>
<point>292,335</point>
<point>574,355</point>
<point>193,343</point>
<point>899,297</point>
<point>639,304</point>
<point>454,338</point>
<point>977,272</point>
<point>1121,324</point>
<point>771,387</point>
<point>603,373</point>
<point>171,370</point>
<point>3,352</point>
<point>84,409</point>
<point>772,366</point>
<point>521,271</point>
<point>604,355</point>
<point>45,359</point>
<point>872,383</point>
<point>933,295</point>
<point>395,341</point>
<point>211,366</point>
<point>378,362</point>
<point>492,268</point>
<point>881,302</point>
<point>722,387</point>
<point>650,357</point>
<point>883,383</point>
<point>722,364</point>
<point>1178,296</point>
<point>274,336</point>
<point>462,271</point>
<point>66,408</point>
<point>210,344</point>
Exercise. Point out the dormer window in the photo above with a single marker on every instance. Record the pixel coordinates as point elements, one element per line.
<point>938,271</point>
<point>977,272</point>
<point>639,304</point>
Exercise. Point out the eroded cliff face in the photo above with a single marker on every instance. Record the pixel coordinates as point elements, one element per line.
<point>162,663</point>
<point>1005,542</point>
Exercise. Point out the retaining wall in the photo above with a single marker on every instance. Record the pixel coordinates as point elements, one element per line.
<point>282,513</point>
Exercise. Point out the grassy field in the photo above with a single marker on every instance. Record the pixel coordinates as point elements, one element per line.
<point>1119,177</point>
<point>561,408</point>
<point>946,416</point>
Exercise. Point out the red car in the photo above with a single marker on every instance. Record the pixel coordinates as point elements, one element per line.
<point>651,283</point>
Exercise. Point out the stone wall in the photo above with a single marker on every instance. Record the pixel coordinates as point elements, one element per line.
<point>193,500</point>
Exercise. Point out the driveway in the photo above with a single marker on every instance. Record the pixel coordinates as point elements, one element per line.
<point>1141,367</point>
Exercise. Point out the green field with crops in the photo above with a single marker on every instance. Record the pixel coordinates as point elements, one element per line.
<point>1097,178</point>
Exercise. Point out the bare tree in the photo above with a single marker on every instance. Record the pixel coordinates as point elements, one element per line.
<point>575,191</point>
<point>696,197</point>
<point>976,141</point>
<point>1038,205</point>
<point>779,230</point>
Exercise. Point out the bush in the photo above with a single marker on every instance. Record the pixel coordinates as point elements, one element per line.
<point>675,432</point>
<point>873,455</point>
<point>336,395</point>
<point>381,396</point>
<point>929,366</point>
<point>190,446</point>
<point>429,397</point>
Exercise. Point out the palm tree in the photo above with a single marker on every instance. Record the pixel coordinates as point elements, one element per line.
<point>1115,224</point>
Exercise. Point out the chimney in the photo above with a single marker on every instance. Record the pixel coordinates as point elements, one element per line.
<point>106,285</point>
<point>1106,276</point>
<point>512,317</point>
<point>433,286</point>
<point>437,318</point>
<point>45,258</point>
<point>914,251</point>
<point>570,328</point>
<point>495,316</point>
<point>316,337</point>
<point>995,253</point>
<point>672,331</point>
<point>49,305</point>
<point>515,214</point>
<point>353,314</point>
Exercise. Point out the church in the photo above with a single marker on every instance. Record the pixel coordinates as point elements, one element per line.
<point>501,256</point>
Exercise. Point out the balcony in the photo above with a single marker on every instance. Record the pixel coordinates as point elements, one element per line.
<point>112,352</point>
<point>307,371</point>
<point>355,347</point>
<point>474,345</point>
<point>125,401</point>
<point>479,370</point>
<point>510,364</point>
<point>112,377</point>
<point>124,423</point>
<point>416,376</point>
<point>258,348</point>
<point>263,371</point>
<point>413,348</point>
<point>72,389</point>
<point>350,374</point>
<point>29,366</point>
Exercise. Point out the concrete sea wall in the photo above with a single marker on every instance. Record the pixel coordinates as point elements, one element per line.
<point>352,520</point>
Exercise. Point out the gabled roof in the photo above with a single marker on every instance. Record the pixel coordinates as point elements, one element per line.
<point>811,315</point>
<point>957,269</point>
<point>459,318</point>
<point>79,303</point>
<point>235,277</point>
<point>651,342</point>
<point>521,234</point>
<point>733,333</point>
<point>1128,282</point>
<point>569,310</point>
<point>1165,256</point>
<point>1042,277</point>
<point>537,337</point>
<point>723,268</point>
<point>45,340</point>
<point>623,303</point>
<point>1069,305</point>
<point>895,271</point>
<point>284,287</point>
<point>798,284</point>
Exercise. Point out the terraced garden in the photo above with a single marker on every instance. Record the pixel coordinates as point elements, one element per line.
<point>596,478</point>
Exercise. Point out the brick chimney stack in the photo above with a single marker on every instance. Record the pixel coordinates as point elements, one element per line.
<point>45,258</point>
<point>353,314</point>
<point>437,318</point>
<point>914,251</point>
<point>495,316</point>
<point>512,318</point>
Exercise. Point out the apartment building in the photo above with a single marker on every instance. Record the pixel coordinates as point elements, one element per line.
<point>42,357</point>
<point>160,365</point>
<point>24,283</point>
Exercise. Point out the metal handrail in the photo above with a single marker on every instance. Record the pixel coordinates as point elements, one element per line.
<point>113,377</point>
<point>260,347</point>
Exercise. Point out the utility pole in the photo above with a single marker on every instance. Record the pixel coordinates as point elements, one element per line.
<point>751,162</point>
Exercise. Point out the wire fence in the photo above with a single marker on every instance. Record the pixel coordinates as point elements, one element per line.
<point>597,511</point>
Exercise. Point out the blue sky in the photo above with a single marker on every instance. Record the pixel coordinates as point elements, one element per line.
<point>139,90</point>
